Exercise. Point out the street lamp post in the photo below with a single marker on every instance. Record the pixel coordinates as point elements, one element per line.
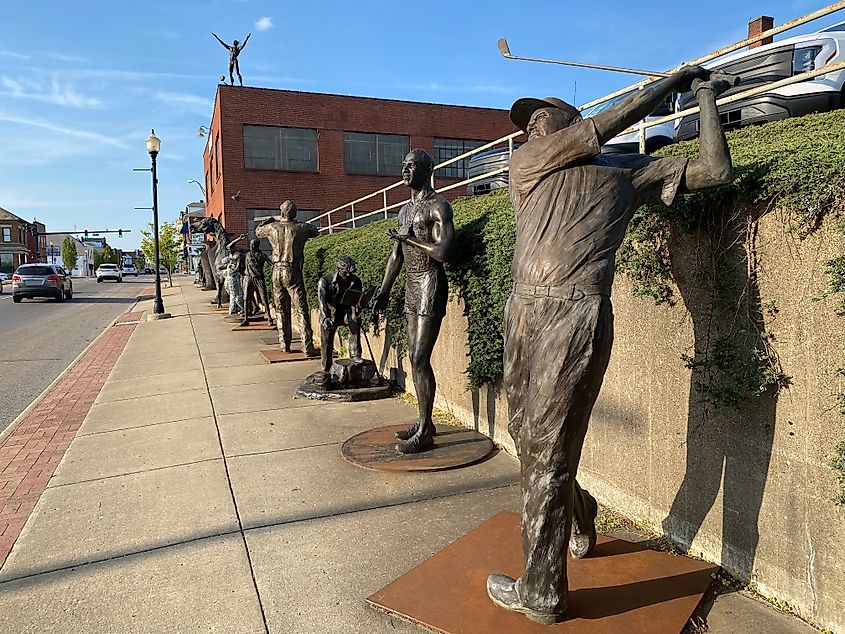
<point>198,184</point>
<point>153,147</point>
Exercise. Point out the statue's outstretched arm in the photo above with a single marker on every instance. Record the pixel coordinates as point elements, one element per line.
<point>228,48</point>
<point>243,44</point>
<point>642,103</point>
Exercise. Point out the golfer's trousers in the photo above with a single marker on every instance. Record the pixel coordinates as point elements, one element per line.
<point>289,291</point>
<point>556,353</point>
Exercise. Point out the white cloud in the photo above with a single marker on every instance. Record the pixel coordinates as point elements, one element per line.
<point>55,127</point>
<point>186,102</point>
<point>56,93</point>
<point>264,24</point>
<point>13,54</point>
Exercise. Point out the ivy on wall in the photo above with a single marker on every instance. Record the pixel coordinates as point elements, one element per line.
<point>796,166</point>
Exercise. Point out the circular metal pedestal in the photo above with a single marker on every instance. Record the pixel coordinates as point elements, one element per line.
<point>453,447</point>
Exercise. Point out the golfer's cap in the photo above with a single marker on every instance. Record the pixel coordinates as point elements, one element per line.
<point>522,109</point>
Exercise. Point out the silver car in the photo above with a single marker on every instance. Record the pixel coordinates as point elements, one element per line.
<point>41,280</point>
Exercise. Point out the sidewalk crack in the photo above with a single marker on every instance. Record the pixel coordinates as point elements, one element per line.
<point>226,467</point>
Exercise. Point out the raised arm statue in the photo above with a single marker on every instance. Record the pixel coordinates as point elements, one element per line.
<point>234,50</point>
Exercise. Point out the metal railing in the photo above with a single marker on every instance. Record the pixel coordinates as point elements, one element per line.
<point>384,210</point>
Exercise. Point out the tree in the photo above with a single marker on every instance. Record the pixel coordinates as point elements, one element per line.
<point>98,259</point>
<point>109,256</point>
<point>69,253</point>
<point>169,247</point>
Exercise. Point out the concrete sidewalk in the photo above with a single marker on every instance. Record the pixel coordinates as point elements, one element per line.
<point>199,496</point>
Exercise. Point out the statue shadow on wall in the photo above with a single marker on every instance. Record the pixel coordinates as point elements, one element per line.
<point>727,447</point>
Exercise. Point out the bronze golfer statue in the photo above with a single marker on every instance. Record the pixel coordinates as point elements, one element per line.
<point>572,207</point>
<point>288,238</point>
<point>423,244</point>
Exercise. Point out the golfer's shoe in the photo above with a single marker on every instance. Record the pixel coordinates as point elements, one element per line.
<point>416,444</point>
<point>582,540</point>
<point>502,591</point>
<point>312,352</point>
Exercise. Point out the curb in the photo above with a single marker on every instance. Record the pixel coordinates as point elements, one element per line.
<point>37,400</point>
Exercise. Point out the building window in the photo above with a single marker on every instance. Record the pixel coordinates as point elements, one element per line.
<point>276,148</point>
<point>374,153</point>
<point>7,234</point>
<point>445,149</point>
<point>208,187</point>
<point>217,156</point>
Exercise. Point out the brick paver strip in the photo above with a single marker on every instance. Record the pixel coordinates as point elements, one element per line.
<point>130,318</point>
<point>30,454</point>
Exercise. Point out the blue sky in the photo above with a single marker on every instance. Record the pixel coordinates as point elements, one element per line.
<point>82,83</point>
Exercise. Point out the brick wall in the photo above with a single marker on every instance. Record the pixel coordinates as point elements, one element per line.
<point>759,25</point>
<point>330,115</point>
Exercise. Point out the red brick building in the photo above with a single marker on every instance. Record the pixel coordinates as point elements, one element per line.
<point>17,241</point>
<point>321,150</point>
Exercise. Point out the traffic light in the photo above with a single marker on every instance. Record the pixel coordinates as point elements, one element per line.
<point>120,233</point>
<point>86,233</point>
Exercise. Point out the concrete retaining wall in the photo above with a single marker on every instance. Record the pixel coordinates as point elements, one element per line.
<point>749,489</point>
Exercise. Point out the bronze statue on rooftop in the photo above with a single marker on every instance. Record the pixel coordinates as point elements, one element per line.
<point>234,50</point>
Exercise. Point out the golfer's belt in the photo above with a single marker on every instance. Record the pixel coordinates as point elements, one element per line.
<point>565,291</point>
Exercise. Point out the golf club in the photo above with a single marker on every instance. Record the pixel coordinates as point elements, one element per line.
<point>505,50</point>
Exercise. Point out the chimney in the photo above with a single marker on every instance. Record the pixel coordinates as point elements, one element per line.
<point>759,25</point>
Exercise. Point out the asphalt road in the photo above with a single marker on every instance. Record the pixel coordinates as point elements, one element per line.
<point>39,337</point>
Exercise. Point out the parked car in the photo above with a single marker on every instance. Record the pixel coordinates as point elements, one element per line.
<point>41,280</point>
<point>148,270</point>
<point>109,272</point>
<point>656,136</point>
<point>773,62</point>
<point>484,162</point>
<point>130,270</point>
<point>3,277</point>
<point>492,160</point>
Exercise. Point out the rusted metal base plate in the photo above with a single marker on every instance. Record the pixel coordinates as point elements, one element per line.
<point>276,355</point>
<point>453,447</point>
<point>311,390</point>
<point>224,307</point>
<point>621,587</point>
<point>254,326</point>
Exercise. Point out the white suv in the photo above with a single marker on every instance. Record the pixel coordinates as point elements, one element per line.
<point>765,64</point>
<point>109,272</point>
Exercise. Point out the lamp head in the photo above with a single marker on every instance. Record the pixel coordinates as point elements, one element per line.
<point>153,143</point>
